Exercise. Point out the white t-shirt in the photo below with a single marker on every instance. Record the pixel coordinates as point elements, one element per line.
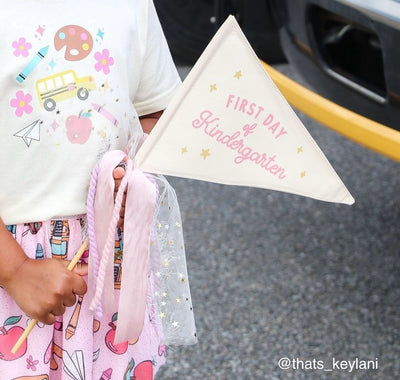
<point>74,77</point>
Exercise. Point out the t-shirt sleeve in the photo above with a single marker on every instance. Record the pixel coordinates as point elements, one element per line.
<point>159,76</point>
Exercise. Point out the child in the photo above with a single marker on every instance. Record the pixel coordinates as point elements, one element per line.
<point>75,76</point>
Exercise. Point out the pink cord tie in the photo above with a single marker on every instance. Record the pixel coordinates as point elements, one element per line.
<point>139,212</point>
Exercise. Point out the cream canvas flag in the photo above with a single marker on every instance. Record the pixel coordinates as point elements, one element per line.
<point>229,124</point>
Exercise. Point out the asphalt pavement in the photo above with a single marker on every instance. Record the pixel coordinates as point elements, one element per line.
<point>276,275</point>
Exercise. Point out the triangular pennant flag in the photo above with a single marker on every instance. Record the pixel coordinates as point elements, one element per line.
<point>229,124</point>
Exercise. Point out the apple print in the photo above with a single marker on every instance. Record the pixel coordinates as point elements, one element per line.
<point>143,371</point>
<point>79,128</point>
<point>9,337</point>
<point>120,348</point>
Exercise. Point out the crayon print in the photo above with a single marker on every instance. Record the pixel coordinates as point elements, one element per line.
<point>106,375</point>
<point>70,330</point>
<point>32,64</point>
<point>105,113</point>
<point>39,252</point>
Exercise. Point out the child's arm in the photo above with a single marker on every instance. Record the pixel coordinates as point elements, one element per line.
<point>41,288</point>
<point>11,255</point>
<point>148,121</point>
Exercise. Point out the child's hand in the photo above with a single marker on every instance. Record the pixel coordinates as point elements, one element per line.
<point>118,174</point>
<point>44,288</point>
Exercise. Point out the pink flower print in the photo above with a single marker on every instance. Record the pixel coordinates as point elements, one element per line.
<point>21,47</point>
<point>31,364</point>
<point>21,103</point>
<point>104,61</point>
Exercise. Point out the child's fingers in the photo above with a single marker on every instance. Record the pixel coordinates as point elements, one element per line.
<point>77,283</point>
<point>48,319</point>
<point>118,172</point>
<point>69,300</point>
<point>79,286</point>
<point>122,210</point>
<point>80,268</point>
<point>118,175</point>
<point>124,196</point>
<point>121,216</point>
<point>58,310</point>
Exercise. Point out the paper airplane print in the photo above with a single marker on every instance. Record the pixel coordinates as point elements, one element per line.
<point>30,132</point>
<point>230,124</point>
<point>74,365</point>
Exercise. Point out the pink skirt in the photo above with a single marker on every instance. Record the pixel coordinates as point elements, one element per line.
<point>77,346</point>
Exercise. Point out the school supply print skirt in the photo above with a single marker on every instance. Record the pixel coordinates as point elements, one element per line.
<point>77,346</point>
<point>80,345</point>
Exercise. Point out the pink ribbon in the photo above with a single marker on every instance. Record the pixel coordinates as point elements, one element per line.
<point>139,211</point>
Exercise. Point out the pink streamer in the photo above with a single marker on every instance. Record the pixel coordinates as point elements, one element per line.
<point>108,250</point>
<point>139,211</point>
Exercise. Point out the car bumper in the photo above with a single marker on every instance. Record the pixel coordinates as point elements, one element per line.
<point>348,52</point>
<point>369,133</point>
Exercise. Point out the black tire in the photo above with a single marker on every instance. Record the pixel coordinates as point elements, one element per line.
<point>188,27</point>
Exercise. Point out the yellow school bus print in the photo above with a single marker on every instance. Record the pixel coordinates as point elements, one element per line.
<point>62,86</point>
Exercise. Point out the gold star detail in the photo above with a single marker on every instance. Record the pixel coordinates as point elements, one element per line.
<point>184,150</point>
<point>162,315</point>
<point>178,300</point>
<point>302,174</point>
<point>238,74</point>
<point>299,149</point>
<point>166,262</point>
<point>213,87</point>
<point>164,294</point>
<point>105,86</point>
<point>205,153</point>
